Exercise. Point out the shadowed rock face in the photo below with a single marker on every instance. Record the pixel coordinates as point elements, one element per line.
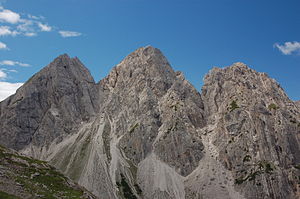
<point>145,132</point>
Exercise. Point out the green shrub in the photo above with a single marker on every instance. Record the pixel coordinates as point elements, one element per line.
<point>133,128</point>
<point>233,105</point>
<point>297,166</point>
<point>125,188</point>
<point>247,158</point>
<point>273,106</point>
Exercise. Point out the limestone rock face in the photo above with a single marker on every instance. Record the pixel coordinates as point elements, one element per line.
<point>48,106</point>
<point>145,132</point>
<point>257,131</point>
<point>298,103</point>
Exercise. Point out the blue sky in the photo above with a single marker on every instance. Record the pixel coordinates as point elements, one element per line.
<point>194,35</point>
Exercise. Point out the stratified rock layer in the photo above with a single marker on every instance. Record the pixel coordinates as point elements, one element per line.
<point>145,132</point>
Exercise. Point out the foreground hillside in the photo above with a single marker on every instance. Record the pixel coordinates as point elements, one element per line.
<point>145,132</point>
<point>22,177</point>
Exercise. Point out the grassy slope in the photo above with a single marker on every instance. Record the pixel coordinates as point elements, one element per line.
<point>23,177</point>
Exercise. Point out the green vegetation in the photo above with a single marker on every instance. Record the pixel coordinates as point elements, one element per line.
<point>272,106</point>
<point>239,180</point>
<point>125,189</point>
<point>297,166</point>
<point>170,129</point>
<point>233,105</point>
<point>7,196</point>
<point>265,166</point>
<point>247,158</point>
<point>133,171</point>
<point>138,189</point>
<point>262,167</point>
<point>36,177</point>
<point>106,140</point>
<point>176,106</point>
<point>133,128</point>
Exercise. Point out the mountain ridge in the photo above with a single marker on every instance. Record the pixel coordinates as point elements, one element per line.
<point>144,131</point>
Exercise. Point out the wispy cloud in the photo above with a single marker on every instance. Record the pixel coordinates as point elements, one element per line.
<point>35,17</point>
<point>26,25</point>
<point>13,63</point>
<point>9,16</point>
<point>3,75</point>
<point>30,34</point>
<point>7,89</point>
<point>3,46</point>
<point>288,48</point>
<point>5,31</point>
<point>65,33</point>
<point>44,27</point>
<point>9,70</point>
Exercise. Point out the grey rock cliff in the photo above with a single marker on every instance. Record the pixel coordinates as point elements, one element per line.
<point>257,131</point>
<point>145,132</point>
<point>49,105</point>
<point>297,103</point>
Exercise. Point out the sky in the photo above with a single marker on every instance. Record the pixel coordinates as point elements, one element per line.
<point>195,35</point>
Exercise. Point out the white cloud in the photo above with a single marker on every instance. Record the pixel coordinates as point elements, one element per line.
<point>9,16</point>
<point>3,75</point>
<point>44,27</point>
<point>64,33</point>
<point>12,63</point>
<point>35,17</point>
<point>5,30</point>
<point>30,34</point>
<point>9,70</point>
<point>26,25</point>
<point>7,89</point>
<point>3,46</point>
<point>288,47</point>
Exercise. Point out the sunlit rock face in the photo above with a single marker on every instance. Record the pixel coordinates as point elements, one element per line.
<point>145,132</point>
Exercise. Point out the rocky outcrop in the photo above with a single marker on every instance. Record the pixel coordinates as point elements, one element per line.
<point>145,132</point>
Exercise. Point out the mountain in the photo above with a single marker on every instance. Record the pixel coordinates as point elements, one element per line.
<point>297,103</point>
<point>145,132</point>
<point>23,177</point>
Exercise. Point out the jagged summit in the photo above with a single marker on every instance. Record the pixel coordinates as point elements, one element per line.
<point>145,57</point>
<point>238,67</point>
<point>146,66</point>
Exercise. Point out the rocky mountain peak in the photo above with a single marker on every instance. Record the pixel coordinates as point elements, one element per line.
<point>61,93</point>
<point>145,54</point>
<point>240,83</point>
<point>66,67</point>
<point>145,67</point>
